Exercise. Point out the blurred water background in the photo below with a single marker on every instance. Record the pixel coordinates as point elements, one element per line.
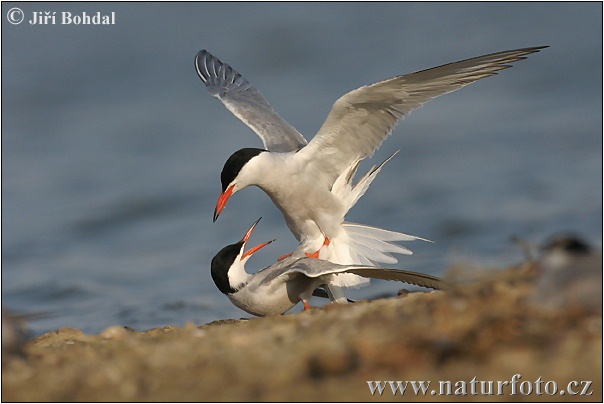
<point>112,148</point>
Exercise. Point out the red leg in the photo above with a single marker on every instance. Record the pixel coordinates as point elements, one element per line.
<point>284,256</point>
<point>307,306</point>
<point>313,255</point>
<point>316,253</point>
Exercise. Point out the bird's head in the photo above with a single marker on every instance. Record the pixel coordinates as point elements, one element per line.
<point>228,266</point>
<point>237,174</point>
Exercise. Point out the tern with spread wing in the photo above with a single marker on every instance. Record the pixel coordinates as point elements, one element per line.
<point>279,287</point>
<point>311,182</point>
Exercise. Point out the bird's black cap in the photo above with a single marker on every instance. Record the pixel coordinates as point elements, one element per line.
<point>235,163</point>
<point>221,264</point>
<point>568,242</point>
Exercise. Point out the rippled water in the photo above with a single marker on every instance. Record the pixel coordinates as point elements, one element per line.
<point>112,149</point>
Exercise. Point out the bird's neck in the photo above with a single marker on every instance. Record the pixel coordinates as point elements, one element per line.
<point>237,276</point>
<point>268,171</point>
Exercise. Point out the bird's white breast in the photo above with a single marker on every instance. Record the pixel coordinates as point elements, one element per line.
<point>262,304</point>
<point>303,196</point>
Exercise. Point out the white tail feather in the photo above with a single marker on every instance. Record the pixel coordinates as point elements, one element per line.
<point>349,194</point>
<point>371,253</point>
<point>359,243</point>
<point>382,246</point>
<point>364,230</point>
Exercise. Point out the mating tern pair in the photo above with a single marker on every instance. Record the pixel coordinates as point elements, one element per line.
<point>311,182</point>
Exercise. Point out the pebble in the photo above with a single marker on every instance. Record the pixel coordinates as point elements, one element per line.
<point>114,332</point>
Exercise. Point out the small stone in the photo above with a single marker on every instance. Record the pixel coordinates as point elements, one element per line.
<point>114,332</point>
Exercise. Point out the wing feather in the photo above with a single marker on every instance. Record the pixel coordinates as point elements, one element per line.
<point>313,268</point>
<point>413,278</point>
<point>247,104</point>
<point>362,119</point>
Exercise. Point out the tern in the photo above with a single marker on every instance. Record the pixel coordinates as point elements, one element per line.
<point>569,273</point>
<point>300,176</point>
<point>279,287</point>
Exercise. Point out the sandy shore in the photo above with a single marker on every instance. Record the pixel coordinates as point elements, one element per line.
<point>487,330</point>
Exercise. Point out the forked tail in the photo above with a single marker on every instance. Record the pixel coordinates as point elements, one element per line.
<point>358,243</point>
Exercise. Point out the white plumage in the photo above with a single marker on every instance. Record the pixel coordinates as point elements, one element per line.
<point>311,182</point>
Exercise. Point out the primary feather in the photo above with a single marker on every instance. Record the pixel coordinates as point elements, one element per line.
<point>362,119</point>
<point>247,104</point>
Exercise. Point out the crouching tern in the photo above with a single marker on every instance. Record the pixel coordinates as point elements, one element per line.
<point>279,287</point>
<point>299,176</point>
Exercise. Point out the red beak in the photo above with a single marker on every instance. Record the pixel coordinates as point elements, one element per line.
<point>222,201</point>
<point>247,236</point>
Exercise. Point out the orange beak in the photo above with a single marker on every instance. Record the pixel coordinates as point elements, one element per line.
<point>222,201</point>
<point>247,236</point>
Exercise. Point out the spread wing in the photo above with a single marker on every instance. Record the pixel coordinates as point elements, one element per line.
<point>247,104</point>
<point>313,268</point>
<point>361,120</point>
<point>413,278</point>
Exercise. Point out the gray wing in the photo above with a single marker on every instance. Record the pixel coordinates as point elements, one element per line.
<point>413,278</point>
<point>313,268</point>
<point>361,120</point>
<point>279,270</point>
<point>247,104</point>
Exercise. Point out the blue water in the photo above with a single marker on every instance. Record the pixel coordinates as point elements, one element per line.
<point>112,148</point>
